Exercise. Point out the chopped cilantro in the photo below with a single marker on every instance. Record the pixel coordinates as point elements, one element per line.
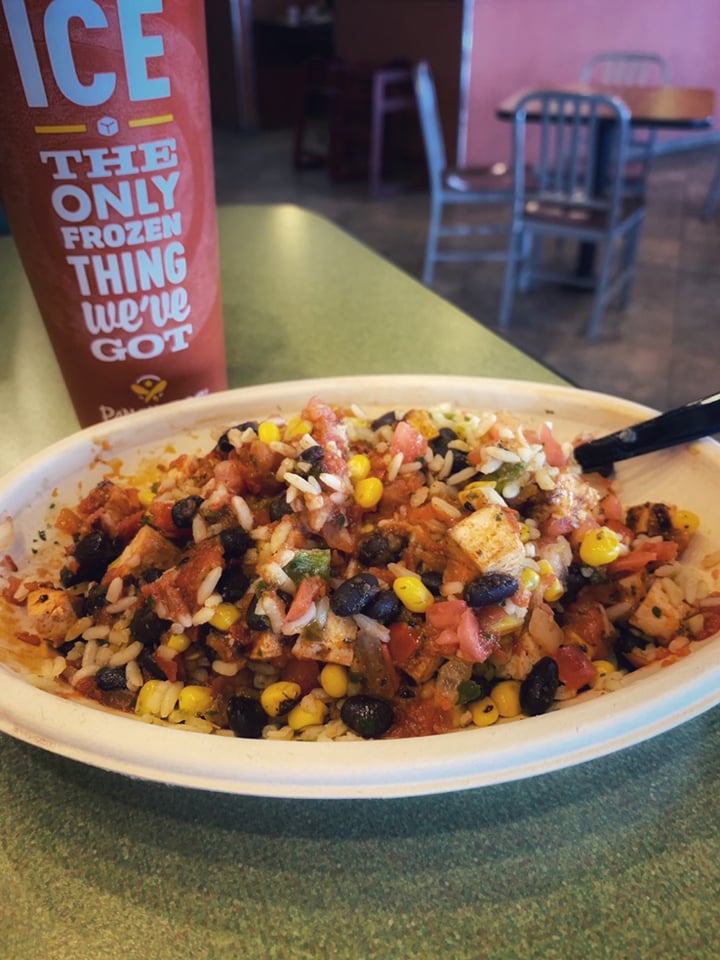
<point>469,690</point>
<point>308,563</point>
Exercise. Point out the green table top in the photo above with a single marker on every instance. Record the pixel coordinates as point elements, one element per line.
<point>616,858</point>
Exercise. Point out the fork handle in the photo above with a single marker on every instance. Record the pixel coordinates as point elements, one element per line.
<point>690,422</point>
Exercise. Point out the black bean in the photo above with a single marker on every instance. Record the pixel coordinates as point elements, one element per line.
<point>148,665</point>
<point>254,620</point>
<point>224,445</point>
<point>490,588</point>
<point>184,510</point>
<point>368,716</point>
<point>95,600</point>
<point>146,626</point>
<point>538,689</point>
<point>387,419</point>
<point>625,642</point>
<point>433,581</point>
<point>150,575</point>
<point>439,444</point>
<point>246,717</point>
<point>379,549</point>
<point>460,461</point>
<point>312,454</point>
<point>574,582</point>
<point>235,543</point>
<point>110,678</point>
<point>93,554</point>
<point>279,507</point>
<point>232,585</point>
<point>385,608</point>
<point>354,594</point>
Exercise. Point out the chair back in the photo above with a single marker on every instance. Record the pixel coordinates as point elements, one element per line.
<point>426,97</point>
<point>626,69</point>
<point>575,132</point>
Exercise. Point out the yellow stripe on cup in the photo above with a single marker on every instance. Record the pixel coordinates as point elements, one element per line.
<point>63,128</point>
<point>151,121</point>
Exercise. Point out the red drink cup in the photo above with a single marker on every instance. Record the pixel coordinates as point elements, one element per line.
<point>106,176</point>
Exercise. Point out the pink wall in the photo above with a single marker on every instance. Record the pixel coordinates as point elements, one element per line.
<point>521,43</point>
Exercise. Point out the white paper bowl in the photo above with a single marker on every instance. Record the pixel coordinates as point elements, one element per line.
<point>646,706</point>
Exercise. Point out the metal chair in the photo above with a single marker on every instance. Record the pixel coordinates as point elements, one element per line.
<point>576,192</point>
<point>454,186</point>
<point>619,68</point>
<point>713,195</point>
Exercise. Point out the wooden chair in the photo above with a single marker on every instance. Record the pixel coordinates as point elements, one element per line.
<point>567,198</point>
<point>452,186</point>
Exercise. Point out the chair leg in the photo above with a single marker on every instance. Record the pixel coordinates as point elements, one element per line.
<point>603,279</point>
<point>713,195</point>
<point>431,246</point>
<point>515,246</point>
<point>629,256</point>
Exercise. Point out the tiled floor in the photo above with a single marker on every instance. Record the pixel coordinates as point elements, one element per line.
<point>662,351</point>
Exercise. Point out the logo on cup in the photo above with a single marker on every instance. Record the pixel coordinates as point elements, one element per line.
<point>149,388</point>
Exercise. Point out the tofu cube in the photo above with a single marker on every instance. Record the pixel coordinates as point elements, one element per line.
<point>490,540</point>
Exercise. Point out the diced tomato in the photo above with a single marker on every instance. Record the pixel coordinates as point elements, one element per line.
<point>168,666</point>
<point>659,551</point>
<point>446,613</point>
<point>303,672</point>
<point>308,589</point>
<point>555,527</point>
<point>31,638</point>
<point>553,451</point>
<point>711,622</point>
<point>420,718</point>
<point>611,507</point>
<point>159,514</point>
<point>575,667</point>
<point>408,441</point>
<point>475,645</point>
<point>586,618</point>
<point>404,641</point>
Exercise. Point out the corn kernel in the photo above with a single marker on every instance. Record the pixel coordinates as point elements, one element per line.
<point>148,690</point>
<point>296,427</point>
<point>146,495</point>
<point>334,680</point>
<point>368,492</point>
<point>554,591</point>
<point>604,667</point>
<point>359,467</point>
<point>179,642</point>
<point>600,546</point>
<point>525,535</point>
<point>413,594</point>
<point>473,494</point>
<point>484,712</point>
<point>506,697</point>
<point>308,712</point>
<point>687,521</point>
<point>421,421</point>
<point>529,578</point>
<point>225,616</point>
<point>279,698</point>
<point>545,568</point>
<point>269,432</point>
<point>195,699</point>
<point>507,623</point>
